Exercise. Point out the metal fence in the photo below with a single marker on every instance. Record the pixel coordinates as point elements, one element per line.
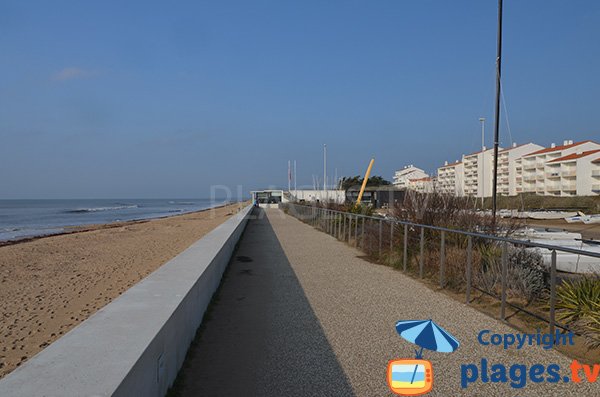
<point>424,250</point>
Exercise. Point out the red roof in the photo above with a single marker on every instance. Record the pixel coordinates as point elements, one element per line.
<point>575,156</point>
<point>597,160</point>
<point>557,148</point>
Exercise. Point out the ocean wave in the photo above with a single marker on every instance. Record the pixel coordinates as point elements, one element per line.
<point>98,209</point>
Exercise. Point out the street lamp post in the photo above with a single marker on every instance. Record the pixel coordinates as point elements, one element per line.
<point>482,121</point>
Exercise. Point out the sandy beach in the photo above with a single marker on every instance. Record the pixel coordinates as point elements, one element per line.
<point>49,285</point>
<point>587,231</point>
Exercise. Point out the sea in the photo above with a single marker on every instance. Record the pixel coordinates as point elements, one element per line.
<point>21,219</point>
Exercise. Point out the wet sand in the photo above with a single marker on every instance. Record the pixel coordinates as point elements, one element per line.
<point>49,285</point>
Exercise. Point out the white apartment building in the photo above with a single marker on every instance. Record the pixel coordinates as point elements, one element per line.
<point>451,178</point>
<point>576,174</point>
<point>402,177</point>
<point>478,168</point>
<point>421,185</point>
<point>544,176</point>
<point>510,178</point>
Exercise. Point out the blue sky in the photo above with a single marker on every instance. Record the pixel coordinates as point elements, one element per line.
<point>165,99</point>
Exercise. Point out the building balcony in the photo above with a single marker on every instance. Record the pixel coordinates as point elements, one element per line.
<point>552,175</point>
<point>596,173</point>
<point>596,188</point>
<point>569,173</point>
<point>553,187</point>
<point>569,187</point>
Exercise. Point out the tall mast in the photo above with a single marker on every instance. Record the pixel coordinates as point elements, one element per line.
<point>497,112</point>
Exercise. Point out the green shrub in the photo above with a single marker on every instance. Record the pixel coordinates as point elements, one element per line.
<point>578,305</point>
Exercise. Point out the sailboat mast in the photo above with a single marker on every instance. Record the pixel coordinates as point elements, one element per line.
<point>497,112</point>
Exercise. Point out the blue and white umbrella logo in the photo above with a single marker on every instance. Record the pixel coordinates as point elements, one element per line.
<point>427,335</point>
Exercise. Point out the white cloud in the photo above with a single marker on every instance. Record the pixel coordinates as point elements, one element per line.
<point>73,73</point>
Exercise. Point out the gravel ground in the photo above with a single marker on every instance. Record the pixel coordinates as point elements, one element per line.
<point>301,314</point>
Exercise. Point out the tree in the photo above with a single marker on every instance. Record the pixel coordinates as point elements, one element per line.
<point>350,181</point>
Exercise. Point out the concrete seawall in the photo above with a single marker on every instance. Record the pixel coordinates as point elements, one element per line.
<point>135,345</point>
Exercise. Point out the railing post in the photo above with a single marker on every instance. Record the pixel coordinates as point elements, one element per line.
<point>443,259</point>
<point>349,234</point>
<point>469,267</point>
<point>356,231</point>
<point>391,239</point>
<point>552,322</point>
<point>362,235</point>
<point>343,236</point>
<point>380,237</point>
<point>504,281</point>
<point>339,228</point>
<point>422,254</point>
<point>405,248</point>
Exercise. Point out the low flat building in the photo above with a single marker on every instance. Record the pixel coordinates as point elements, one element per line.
<point>329,195</point>
<point>268,198</point>
<point>377,196</point>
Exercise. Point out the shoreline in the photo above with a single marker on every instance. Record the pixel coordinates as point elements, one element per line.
<point>72,229</point>
<point>50,284</point>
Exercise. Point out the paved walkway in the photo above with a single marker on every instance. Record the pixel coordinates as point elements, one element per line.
<point>300,314</point>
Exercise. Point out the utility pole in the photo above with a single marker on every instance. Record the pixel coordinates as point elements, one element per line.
<point>295,184</point>
<point>482,120</point>
<point>497,112</point>
<point>289,177</point>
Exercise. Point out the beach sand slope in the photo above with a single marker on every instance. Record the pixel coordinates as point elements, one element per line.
<point>49,285</point>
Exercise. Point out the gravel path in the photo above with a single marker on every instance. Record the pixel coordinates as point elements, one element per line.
<point>301,314</point>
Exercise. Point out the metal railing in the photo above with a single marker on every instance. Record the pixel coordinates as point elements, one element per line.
<point>392,234</point>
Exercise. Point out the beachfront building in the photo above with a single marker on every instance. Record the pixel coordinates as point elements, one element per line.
<point>577,174</point>
<point>542,175</point>
<point>422,185</point>
<point>450,179</point>
<point>313,195</point>
<point>510,168</point>
<point>478,168</point>
<point>268,198</point>
<point>402,177</point>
